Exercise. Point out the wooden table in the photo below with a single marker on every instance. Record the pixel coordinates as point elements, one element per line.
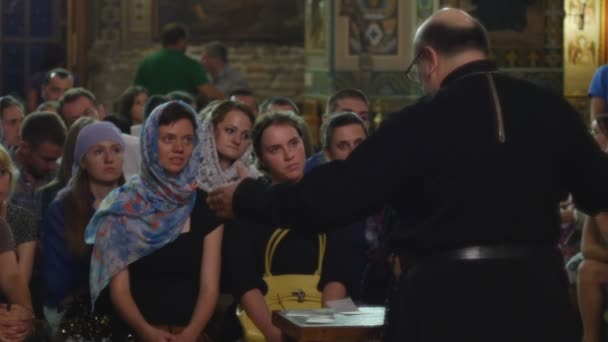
<point>366,326</point>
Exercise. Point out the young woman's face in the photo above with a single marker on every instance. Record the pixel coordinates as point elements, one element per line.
<point>11,125</point>
<point>344,141</point>
<point>137,109</point>
<point>175,144</point>
<point>232,136</point>
<point>103,161</point>
<point>282,153</point>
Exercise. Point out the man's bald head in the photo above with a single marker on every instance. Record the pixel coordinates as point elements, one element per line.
<point>451,31</point>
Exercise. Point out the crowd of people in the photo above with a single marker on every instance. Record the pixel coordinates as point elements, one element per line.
<point>105,227</point>
<point>117,225</point>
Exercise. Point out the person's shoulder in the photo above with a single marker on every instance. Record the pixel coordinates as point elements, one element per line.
<point>190,61</point>
<point>411,112</point>
<point>150,61</point>
<point>602,70</point>
<point>527,90</point>
<point>149,58</point>
<point>600,77</point>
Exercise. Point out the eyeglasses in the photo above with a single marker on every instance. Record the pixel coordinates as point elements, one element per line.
<point>412,70</point>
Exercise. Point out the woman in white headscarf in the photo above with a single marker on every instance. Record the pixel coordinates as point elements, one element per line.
<point>226,143</point>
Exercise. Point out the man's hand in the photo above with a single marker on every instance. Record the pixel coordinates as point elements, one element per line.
<point>220,199</point>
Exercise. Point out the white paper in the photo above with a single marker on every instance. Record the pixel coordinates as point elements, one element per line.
<point>343,306</point>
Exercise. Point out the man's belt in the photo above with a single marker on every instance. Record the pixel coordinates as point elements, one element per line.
<point>492,252</point>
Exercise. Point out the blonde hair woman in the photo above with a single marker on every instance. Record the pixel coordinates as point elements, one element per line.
<point>13,285</point>
<point>21,221</point>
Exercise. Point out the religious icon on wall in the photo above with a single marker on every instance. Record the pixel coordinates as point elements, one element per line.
<point>581,50</point>
<point>580,12</point>
<point>279,21</point>
<point>372,26</point>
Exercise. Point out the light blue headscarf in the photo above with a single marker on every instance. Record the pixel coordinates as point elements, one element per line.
<point>146,213</point>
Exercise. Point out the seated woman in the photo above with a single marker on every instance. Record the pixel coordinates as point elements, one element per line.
<point>156,243</point>
<point>225,139</point>
<point>98,158</point>
<point>15,321</point>
<point>592,278</point>
<point>277,141</point>
<point>226,143</point>
<point>21,222</point>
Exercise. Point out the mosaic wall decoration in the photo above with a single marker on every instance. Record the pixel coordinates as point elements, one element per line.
<point>369,47</point>
<point>372,35</point>
<point>372,26</point>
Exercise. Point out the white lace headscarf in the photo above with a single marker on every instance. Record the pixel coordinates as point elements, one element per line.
<point>211,175</point>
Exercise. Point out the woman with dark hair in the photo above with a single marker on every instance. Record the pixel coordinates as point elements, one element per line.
<point>156,243</point>
<point>131,105</point>
<point>11,116</point>
<point>97,169</point>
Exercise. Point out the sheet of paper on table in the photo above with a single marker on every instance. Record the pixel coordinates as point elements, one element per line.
<point>344,306</point>
<point>318,316</point>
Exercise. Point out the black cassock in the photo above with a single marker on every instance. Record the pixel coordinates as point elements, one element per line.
<point>459,174</point>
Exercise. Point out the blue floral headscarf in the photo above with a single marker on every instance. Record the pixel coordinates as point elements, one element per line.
<point>146,213</point>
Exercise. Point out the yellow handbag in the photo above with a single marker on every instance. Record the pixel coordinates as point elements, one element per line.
<point>285,292</point>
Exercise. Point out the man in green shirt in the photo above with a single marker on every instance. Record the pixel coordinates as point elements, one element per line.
<point>170,69</point>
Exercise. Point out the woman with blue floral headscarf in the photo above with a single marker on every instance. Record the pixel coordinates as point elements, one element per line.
<point>156,243</point>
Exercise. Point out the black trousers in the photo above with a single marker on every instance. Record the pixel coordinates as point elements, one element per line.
<point>490,300</point>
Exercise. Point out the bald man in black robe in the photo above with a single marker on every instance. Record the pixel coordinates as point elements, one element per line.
<point>476,171</point>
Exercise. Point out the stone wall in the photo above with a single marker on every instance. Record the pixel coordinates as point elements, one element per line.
<point>270,69</point>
